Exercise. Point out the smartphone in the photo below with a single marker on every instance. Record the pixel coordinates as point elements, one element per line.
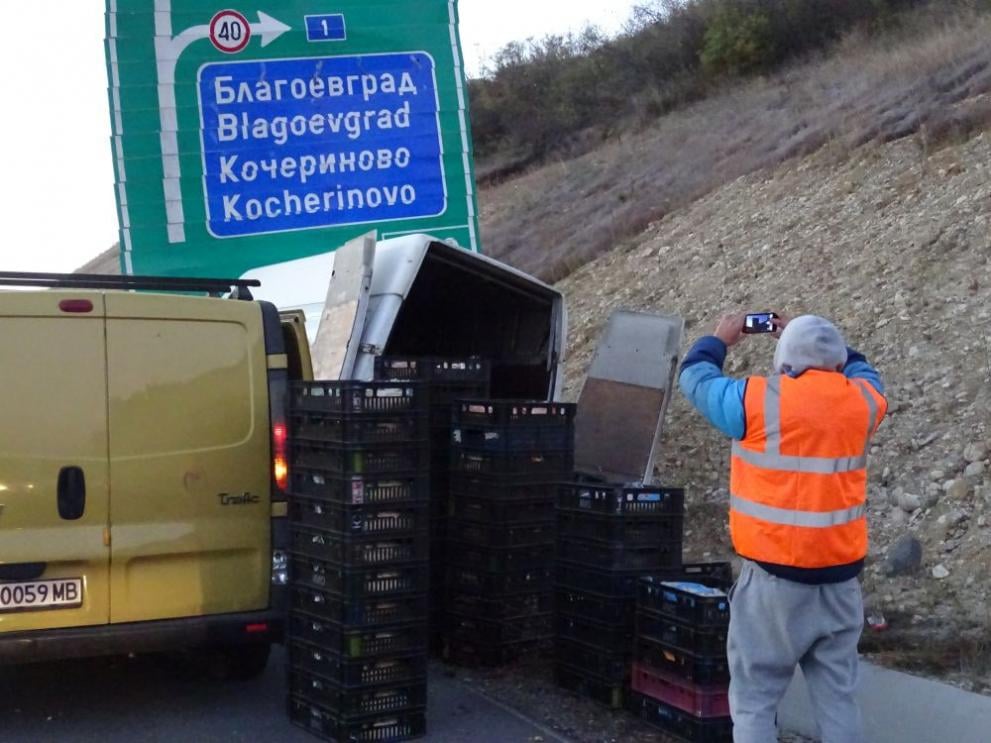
<point>759,322</point>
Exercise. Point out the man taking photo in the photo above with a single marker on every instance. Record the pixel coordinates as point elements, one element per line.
<point>798,493</point>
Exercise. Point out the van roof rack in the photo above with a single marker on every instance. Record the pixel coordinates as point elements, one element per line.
<point>238,288</point>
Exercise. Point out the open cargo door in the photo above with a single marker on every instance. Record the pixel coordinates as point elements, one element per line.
<point>342,321</point>
<point>622,405</point>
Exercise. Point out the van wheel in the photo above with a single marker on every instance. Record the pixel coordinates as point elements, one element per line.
<point>239,662</point>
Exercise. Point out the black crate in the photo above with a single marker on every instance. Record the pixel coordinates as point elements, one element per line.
<point>474,629</point>
<point>513,466</point>
<point>395,520</point>
<point>482,534</point>
<point>508,438</point>
<point>357,672</point>
<point>482,654</point>
<point>596,606</point>
<point>507,607</point>
<point>620,500</point>
<point>681,724</point>
<point>396,488</point>
<point>501,511</point>
<point>491,489</point>
<point>713,574</point>
<point>604,691</point>
<point>324,724</point>
<point>359,429</point>
<point>607,664</point>
<point>615,638</point>
<point>615,583</point>
<point>359,397</point>
<point>489,584</point>
<point>376,611</point>
<point>692,603</point>
<point>702,641</point>
<point>699,669</point>
<point>351,643</point>
<point>355,702</point>
<point>470,370</point>
<point>358,552</point>
<point>500,559</point>
<point>618,530</point>
<point>359,582</point>
<point>371,460</point>
<point>618,556</point>
<point>514,412</point>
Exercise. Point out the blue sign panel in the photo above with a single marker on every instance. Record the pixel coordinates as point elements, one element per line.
<point>326,27</point>
<point>297,144</point>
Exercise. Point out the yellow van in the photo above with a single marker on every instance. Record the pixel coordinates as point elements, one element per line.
<point>142,468</point>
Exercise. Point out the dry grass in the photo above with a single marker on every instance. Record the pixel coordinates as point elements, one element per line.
<point>930,79</point>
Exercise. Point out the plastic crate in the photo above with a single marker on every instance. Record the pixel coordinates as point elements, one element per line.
<point>595,606</point>
<point>682,725</point>
<point>356,672</point>
<point>699,669</point>
<point>472,369</point>
<point>326,725</point>
<point>485,583</point>
<point>360,551</point>
<point>707,641</point>
<point>490,489</point>
<point>482,654</point>
<point>620,500</point>
<point>506,438</point>
<point>619,530</point>
<point>500,559</point>
<point>482,534</point>
<point>508,607</point>
<point>614,638</point>
<point>533,508</point>
<point>700,701</point>
<point>517,466</point>
<point>612,583</point>
<point>359,397</point>
<point>376,460</point>
<point>351,643</point>
<point>353,702</point>
<point>359,612</point>
<point>398,519</point>
<point>359,429</point>
<point>712,574</point>
<point>618,556</point>
<point>604,691</point>
<point>692,603</point>
<point>395,488</point>
<point>519,629</point>
<point>359,582</point>
<point>607,664</point>
<point>514,412</point>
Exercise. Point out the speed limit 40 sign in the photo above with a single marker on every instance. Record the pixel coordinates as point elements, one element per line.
<point>229,31</point>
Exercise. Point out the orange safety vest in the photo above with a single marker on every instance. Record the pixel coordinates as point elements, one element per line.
<point>798,479</point>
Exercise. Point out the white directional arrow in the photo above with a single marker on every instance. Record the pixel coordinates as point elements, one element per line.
<point>168,49</point>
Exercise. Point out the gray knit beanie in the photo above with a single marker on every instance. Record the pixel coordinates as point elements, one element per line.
<point>809,342</point>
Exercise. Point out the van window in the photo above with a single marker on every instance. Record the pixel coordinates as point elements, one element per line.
<point>178,386</point>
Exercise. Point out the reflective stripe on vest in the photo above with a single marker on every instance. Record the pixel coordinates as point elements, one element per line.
<point>790,517</point>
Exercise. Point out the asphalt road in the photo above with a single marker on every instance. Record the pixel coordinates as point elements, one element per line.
<point>165,699</point>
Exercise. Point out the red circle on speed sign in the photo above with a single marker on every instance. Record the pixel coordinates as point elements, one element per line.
<point>229,31</point>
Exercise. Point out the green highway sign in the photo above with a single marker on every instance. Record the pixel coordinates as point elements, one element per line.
<point>245,135</point>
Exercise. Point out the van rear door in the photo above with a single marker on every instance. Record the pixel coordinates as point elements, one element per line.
<point>190,457</point>
<point>53,461</point>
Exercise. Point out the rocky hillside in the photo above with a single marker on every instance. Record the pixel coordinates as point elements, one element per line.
<point>893,244</point>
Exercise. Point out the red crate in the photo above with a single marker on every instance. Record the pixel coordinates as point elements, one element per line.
<point>696,699</point>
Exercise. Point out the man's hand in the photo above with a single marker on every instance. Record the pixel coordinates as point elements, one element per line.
<point>780,324</point>
<point>730,328</point>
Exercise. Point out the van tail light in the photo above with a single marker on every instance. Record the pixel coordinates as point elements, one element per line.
<point>280,456</point>
<point>77,306</point>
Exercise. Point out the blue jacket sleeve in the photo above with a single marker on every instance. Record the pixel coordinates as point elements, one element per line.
<point>717,397</point>
<point>857,367</point>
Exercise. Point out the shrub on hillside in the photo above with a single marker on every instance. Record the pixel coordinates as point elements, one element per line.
<point>737,42</point>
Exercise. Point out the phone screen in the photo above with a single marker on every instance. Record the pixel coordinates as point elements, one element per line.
<point>759,322</point>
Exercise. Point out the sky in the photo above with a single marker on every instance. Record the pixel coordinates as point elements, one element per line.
<point>58,196</point>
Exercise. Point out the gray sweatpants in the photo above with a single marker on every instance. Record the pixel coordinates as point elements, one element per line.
<point>776,624</point>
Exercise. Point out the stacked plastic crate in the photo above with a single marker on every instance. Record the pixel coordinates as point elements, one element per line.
<point>507,458</point>
<point>359,546</point>
<point>608,536</point>
<point>680,674</point>
<point>447,380</point>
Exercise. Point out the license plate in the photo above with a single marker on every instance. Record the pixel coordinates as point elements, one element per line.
<point>62,593</point>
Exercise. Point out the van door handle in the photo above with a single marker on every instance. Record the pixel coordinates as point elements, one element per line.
<point>71,493</point>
